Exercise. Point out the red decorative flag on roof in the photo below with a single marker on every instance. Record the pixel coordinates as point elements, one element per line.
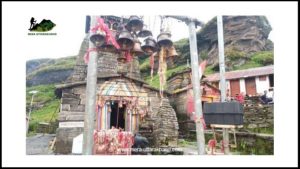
<point>202,68</point>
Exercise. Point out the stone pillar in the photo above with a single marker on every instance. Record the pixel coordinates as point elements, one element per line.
<point>165,130</point>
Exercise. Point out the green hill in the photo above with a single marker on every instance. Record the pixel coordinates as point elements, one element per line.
<point>45,105</point>
<point>41,75</point>
<point>49,71</point>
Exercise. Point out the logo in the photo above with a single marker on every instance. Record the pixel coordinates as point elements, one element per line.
<point>38,28</point>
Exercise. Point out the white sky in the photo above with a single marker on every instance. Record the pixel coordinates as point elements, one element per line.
<point>70,33</point>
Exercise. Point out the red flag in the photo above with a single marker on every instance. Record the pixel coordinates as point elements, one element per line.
<point>202,68</point>
<point>151,61</point>
<point>190,104</point>
<point>128,56</point>
<point>87,54</point>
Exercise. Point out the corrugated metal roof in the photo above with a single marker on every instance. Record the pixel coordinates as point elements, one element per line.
<point>266,70</point>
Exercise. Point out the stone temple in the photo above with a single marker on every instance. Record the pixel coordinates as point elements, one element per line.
<point>123,100</point>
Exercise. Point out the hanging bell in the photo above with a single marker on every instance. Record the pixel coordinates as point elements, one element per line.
<point>120,28</point>
<point>144,33</point>
<point>149,46</point>
<point>125,40</point>
<point>164,39</point>
<point>137,50</point>
<point>172,52</point>
<point>134,24</point>
<point>115,26</point>
<point>108,47</point>
<point>98,38</point>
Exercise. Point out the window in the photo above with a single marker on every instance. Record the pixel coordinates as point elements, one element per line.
<point>271,77</point>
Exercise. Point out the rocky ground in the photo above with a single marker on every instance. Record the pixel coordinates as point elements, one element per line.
<point>39,144</point>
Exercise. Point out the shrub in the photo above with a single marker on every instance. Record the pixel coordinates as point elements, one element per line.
<point>204,55</point>
<point>234,54</point>
<point>263,57</point>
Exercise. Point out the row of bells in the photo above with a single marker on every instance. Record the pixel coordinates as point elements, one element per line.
<point>128,42</point>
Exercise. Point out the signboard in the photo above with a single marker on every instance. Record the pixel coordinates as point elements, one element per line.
<point>71,124</point>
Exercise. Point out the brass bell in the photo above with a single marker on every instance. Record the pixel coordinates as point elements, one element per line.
<point>164,39</point>
<point>108,47</point>
<point>115,26</point>
<point>149,46</point>
<point>98,38</point>
<point>134,24</point>
<point>172,52</point>
<point>144,33</point>
<point>137,50</point>
<point>125,40</point>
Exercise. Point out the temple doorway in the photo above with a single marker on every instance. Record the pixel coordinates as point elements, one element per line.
<point>117,116</point>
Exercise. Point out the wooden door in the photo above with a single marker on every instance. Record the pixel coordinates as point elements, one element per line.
<point>250,86</point>
<point>235,87</point>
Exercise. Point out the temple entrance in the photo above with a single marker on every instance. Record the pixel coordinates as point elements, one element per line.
<point>117,117</point>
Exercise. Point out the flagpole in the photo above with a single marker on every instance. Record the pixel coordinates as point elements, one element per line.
<point>91,90</point>
<point>192,23</point>
<point>222,77</point>
<point>196,89</point>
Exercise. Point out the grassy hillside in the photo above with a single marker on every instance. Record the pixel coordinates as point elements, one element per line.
<point>52,65</point>
<point>155,80</point>
<point>45,105</point>
<point>49,71</point>
<point>258,59</point>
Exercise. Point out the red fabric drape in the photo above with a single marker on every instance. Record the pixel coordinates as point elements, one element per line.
<point>109,38</point>
<point>190,104</point>
<point>87,54</point>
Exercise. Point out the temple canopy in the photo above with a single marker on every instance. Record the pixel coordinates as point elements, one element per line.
<point>121,88</point>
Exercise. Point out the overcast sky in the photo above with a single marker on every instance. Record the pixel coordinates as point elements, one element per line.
<point>70,33</point>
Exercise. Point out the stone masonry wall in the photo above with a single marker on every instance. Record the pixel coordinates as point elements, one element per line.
<point>179,81</point>
<point>107,64</point>
<point>258,117</point>
<point>166,127</point>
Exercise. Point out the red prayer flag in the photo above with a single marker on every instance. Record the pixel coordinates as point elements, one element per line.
<point>202,68</point>
<point>190,104</point>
